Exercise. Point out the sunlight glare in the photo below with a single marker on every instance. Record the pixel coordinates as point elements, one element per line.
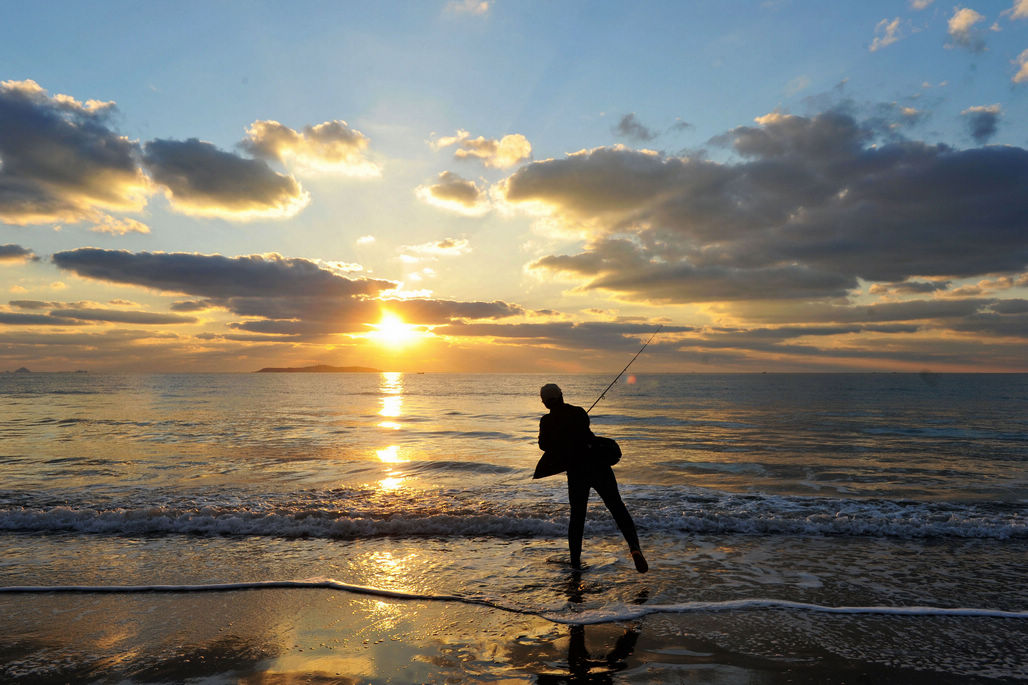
<point>390,455</point>
<point>391,406</point>
<point>391,483</point>
<point>392,331</point>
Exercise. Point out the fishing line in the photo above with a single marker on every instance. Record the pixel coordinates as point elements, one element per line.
<point>624,369</point>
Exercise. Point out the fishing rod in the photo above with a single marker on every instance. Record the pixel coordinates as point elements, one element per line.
<point>602,394</point>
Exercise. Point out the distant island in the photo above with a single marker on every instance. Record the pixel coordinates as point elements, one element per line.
<point>24,370</point>
<point>319,368</point>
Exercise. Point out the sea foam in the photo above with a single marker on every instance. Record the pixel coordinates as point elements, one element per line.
<point>352,513</point>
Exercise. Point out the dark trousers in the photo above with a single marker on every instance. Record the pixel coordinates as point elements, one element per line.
<point>601,479</point>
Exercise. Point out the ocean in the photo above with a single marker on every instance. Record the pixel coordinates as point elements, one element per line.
<point>386,528</point>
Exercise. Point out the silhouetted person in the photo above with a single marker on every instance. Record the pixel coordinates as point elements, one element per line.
<point>564,437</point>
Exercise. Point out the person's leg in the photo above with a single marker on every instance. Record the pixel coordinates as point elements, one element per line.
<point>606,485</point>
<point>578,498</point>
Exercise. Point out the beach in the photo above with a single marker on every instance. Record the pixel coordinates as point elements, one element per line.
<point>800,528</point>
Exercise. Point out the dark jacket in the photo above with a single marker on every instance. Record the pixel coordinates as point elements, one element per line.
<point>564,437</point>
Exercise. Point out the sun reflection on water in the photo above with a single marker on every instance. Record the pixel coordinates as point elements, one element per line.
<point>391,388</point>
<point>390,455</point>
<point>392,406</point>
<point>392,482</point>
<point>392,400</point>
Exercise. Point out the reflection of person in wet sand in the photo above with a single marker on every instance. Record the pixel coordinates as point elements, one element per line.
<point>583,667</point>
<point>564,437</point>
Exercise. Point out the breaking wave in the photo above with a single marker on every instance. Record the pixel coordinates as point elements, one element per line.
<point>498,512</point>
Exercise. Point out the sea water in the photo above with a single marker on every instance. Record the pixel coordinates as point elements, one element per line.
<point>871,519</point>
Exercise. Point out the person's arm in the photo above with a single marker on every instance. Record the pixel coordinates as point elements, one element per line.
<point>583,424</point>
<point>545,439</point>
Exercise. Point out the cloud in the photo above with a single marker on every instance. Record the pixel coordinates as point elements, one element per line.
<point>32,304</point>
<point>19,319</point>
<point>447,141</point>
<point>1022,68</point>
<point>455,193</point>
<point>616,266</point>
<point>61,161</point>
<point>476,7</point>
<point>908,287</point>
<point>447,247</point>
<point>193,306</point>
<point>206,181</point>
<point>215,276</point>
<point>962,31</point>
<point>330,146</point>
<point>886,33</point>
<point>1019,10</point>
<point>281,298</point>
<point>797,84</point>
<point>428,311</point>
<point>584,339</point>
<point>982,121</point>
<point>920,4</point>
<point>631,128</point>
<point>287,296</point>
<point>365,240</point>
<point>121,316</point>
<point>11,253</point>
<point>813,205</point>
<point>119,226</point>
<point>500,154</point>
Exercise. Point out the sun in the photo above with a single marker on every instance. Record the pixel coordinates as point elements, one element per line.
<point>392,331</point>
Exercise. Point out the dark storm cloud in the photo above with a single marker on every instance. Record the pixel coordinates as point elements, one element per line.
<point>631,128</point>
<point>204,180</point>
<point>982,122</point>
<point>61,160</point>
<point>813,205</point>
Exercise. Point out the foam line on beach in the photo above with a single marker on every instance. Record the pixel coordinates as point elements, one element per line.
<point>631,612</point>
<point>588,617</point>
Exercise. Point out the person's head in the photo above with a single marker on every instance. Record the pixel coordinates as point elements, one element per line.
<point>551,395</point>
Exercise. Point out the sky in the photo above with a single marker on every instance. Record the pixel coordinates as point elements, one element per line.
<point>514,186</point>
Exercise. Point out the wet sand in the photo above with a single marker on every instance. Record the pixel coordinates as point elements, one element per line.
<point>273,636</point>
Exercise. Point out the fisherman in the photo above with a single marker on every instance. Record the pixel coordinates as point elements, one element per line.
<point>564,437</point>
